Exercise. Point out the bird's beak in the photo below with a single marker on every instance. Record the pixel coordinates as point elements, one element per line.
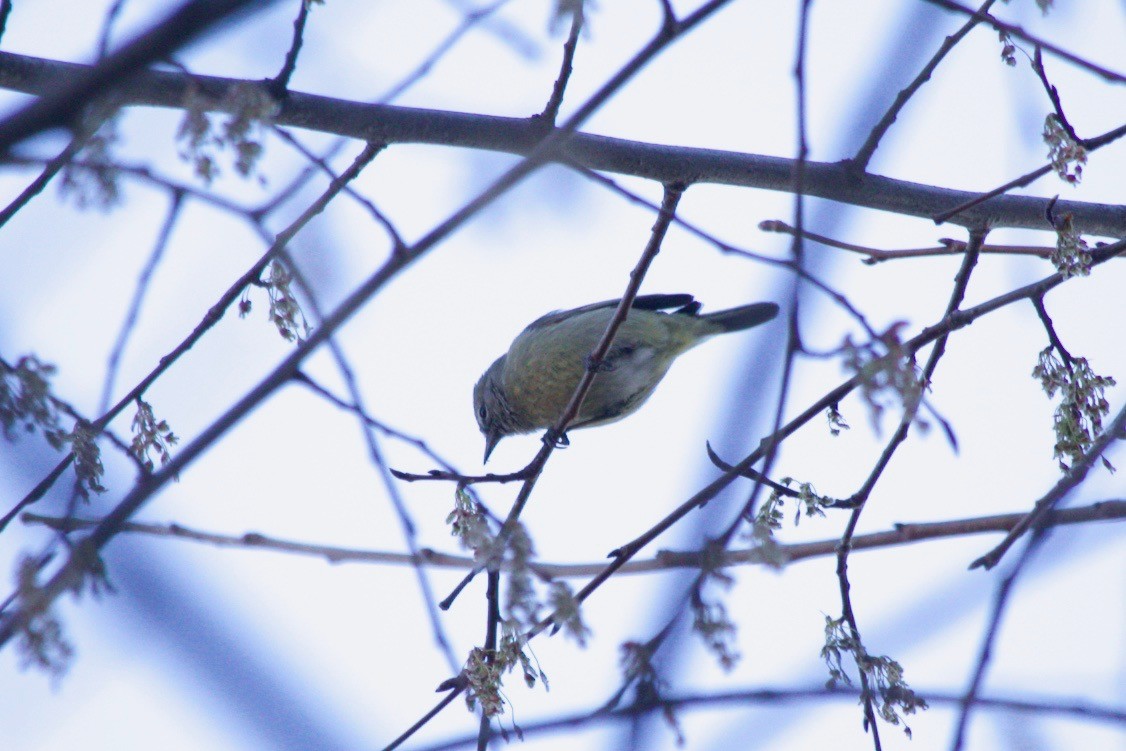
<point>491,440</point>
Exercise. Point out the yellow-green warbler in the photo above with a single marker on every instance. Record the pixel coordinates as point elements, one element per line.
<point>528,388</point>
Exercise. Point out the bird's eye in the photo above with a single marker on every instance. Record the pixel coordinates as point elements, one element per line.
<point>483,414</point>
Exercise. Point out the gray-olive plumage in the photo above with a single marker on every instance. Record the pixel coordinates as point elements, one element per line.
<point>528,388</point>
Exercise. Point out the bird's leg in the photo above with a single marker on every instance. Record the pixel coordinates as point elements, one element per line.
<point>559,440</point>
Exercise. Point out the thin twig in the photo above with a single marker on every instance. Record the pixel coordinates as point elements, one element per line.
<point>469,19</point>
<point>725,247</point>
<point>1090,144</point>
<point>421,722</point>
<point>107,27</point>
<point>1050,329</point>
<point>864,154</point>
<point>397,242</point>
<point>555,101</point>
<point>1019,182</point>
<point>946,247</point>
<point>375,453</point>
<point>1020,33</point>
<point>1059,491</point>
<point>279,84</point>
<point>139,292</point>
<point>1054,96</point>
<point>37,185</point>
<point>1035,520</point>
<point>860,498</point>
<point>492,599</point>
<point>5,11</point>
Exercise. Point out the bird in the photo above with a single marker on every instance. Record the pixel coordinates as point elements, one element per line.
<point>527,388</point>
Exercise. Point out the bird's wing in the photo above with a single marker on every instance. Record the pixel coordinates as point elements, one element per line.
<point>641,302</point>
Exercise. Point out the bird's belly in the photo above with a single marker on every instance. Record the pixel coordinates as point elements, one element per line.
<point>627,378</point>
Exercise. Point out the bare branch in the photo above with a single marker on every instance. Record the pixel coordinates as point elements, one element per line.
<point>664,560</point>
<point>741,699</point>
<point>664,164</point>
<point>1020,33</point>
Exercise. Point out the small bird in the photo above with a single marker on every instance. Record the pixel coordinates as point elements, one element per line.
<point>528,388</point>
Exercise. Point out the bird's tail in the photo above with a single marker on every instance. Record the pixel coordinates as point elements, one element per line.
<point>743,317</point>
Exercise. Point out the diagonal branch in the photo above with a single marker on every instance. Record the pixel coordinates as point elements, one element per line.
<point>864,155</point>
<point>1035,518</point>
<point>1020,33</point>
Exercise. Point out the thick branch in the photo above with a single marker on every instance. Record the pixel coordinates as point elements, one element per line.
<point>666,164</point>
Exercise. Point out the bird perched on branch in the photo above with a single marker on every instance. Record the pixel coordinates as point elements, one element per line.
<point>529,387</point>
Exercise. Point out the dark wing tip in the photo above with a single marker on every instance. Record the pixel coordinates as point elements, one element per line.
<point>664,302</point>
<point>642,302</point>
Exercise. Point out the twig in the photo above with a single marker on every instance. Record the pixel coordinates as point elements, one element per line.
<point>742,698</point>
<point>725,247</point>
<point>469,19</point>
<point>1050,329</point>
<point>1020,33</point>
<point>450,476</point>
<point>421,722</point>
<point>860,498</point>
<point>1054,96</point>
<point>396,239</point>
<point>1090,144</point>
<point>1071,478</point>
<point>1000,190</point>
<point>139,292</point>
<point>278,86</point>
<point>305,380</point>
<point>947,246</point>
<point>864,154</point>
<point>37,185</point>
<point>107,27</point>
<point>492,599</point>
<point>1035,520</point>
<point>750,474</point>
<point>5,11</point>
<point>555,101</point>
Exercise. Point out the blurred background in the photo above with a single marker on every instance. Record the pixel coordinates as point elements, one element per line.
<point>236,648</point>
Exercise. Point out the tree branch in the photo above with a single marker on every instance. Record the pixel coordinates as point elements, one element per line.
<point>665,164</point>
<point>664,560</point>
<point>763,696</point>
